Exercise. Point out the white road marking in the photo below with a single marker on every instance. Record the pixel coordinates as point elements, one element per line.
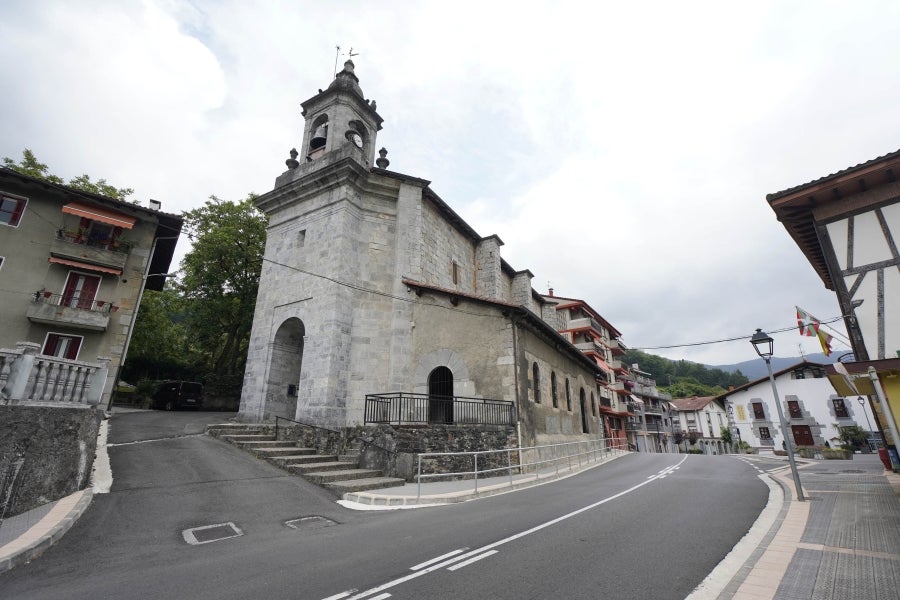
<point>341,595</point>
<point>395,582</point>
<point>434,560</point>
<point>471,560</point>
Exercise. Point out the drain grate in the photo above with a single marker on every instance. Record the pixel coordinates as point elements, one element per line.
<point>313,522</point>
<point>211,533</point>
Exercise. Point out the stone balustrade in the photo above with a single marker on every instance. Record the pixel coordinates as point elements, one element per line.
<point>27,377</point>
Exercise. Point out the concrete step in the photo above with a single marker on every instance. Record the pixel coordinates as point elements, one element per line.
<point>300,455</point>
<point>361,485</point>
<point>235,438</point>
<point>233,428</point>
<point>252,445</point>
<point>323,477</point>
<point>273,452</point>
<point>313,467</point>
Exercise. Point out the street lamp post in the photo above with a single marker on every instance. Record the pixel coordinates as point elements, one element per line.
<point>862,405</point>
<point>765,347</point>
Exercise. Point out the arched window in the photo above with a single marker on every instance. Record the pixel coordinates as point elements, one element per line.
<point>553,393</point>
<point>584,417</point>
<point>536,381</point>
<point>568,396</point>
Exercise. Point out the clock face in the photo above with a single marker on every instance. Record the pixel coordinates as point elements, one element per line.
<point>356,139</point>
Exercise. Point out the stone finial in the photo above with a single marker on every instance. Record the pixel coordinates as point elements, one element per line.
<point>349,66</point>
<point>292,161</point>
<point>373,105</point>
<point>382,162</point>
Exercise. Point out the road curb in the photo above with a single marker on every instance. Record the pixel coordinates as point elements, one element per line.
<point>46,532</point>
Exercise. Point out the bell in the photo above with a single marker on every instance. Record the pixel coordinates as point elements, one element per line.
<point>318,138</point>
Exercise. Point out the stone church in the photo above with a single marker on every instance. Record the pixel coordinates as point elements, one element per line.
<point>379,304</point>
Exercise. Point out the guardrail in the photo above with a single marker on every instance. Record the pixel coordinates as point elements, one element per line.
<point>545,459</point>
<point>401,408</point>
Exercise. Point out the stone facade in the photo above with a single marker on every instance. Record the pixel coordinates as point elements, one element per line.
<point>373,284</point>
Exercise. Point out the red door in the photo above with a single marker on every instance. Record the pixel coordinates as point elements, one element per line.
<point>802,435</point>
<point>80,290</point>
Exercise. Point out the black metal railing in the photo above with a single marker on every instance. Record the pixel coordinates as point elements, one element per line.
<point>73,301</point>
<point>401,408</point>
<point>82,237</point>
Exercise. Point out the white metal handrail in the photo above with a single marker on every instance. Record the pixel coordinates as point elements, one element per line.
<point>584,451</point>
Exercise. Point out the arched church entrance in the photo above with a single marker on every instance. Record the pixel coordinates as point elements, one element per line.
<point>285,361</point>
<point>440,396</point>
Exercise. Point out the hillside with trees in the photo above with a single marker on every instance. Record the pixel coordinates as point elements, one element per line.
<point>683,378</point>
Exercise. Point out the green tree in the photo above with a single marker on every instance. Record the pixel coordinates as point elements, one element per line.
<point>159,347</point>
<point>725,434</point>
<point>30,165</point>
<point>853,437</point>
<point>220,278</point>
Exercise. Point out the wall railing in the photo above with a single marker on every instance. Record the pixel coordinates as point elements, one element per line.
<point>515,463</point>
<point>402,408</point>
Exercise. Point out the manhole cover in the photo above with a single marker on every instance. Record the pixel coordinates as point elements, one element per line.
<point>211,533</point>
<point>313,522</point>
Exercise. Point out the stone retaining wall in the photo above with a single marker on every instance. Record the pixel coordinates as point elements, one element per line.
<point>58,446</point>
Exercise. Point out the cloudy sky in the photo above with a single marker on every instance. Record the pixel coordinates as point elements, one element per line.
<point>622,150</point>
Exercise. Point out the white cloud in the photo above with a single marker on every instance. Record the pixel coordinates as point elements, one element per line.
<point>622,151</point>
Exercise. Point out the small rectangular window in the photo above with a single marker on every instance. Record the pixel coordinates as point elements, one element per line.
<point>1,261</point>
<point>454,269</point>
<point>794,409</point>
<point>758,412</point>
<point>11,209</point>
<point>301,238</point>
<point>764,433</point>
<point>840,409</point>
<point>62,346</point>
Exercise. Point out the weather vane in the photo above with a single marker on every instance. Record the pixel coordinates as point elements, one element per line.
<point>337,53</point>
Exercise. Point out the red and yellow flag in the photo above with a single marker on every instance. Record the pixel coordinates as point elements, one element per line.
<point>811,326</point>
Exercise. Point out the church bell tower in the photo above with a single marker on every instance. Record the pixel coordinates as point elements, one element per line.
<point>340,121</point>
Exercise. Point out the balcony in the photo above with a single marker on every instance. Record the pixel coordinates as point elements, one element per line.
<point>617,365</point>
<point>618,386</point>
<point>72,245</point>
<point>592,346</point>
<point>584,322</point>
<point>50,309</point>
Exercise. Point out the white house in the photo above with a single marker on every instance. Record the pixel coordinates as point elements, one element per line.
<point>703,416</point>
<point>811,409</point>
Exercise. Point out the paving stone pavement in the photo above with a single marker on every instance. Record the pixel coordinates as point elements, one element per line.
<point>842,543</point>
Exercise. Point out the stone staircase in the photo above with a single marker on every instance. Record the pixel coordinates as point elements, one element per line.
<point>340,474</point>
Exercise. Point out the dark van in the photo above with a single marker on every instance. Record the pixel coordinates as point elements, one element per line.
<point>174,395</point>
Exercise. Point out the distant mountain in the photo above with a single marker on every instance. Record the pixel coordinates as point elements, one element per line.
<point>756,369</point>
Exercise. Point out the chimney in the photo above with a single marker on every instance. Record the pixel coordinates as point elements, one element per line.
<point>155,204</point>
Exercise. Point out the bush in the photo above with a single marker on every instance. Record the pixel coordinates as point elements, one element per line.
<point>834,454</point>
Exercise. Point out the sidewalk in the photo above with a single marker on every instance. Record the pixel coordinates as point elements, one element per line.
<point>842,542</point>
<point>24,537</point>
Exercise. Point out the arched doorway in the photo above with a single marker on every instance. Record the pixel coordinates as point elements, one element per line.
<point>285,361</point>
<point>585,428</point>
<point>440,396</point>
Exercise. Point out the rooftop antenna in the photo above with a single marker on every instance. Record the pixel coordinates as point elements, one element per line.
<point>802,354</point>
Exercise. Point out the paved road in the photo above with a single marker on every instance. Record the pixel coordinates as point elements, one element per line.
<point>643,526</point>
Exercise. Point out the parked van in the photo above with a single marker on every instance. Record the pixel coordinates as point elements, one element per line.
<point>174,395</point>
